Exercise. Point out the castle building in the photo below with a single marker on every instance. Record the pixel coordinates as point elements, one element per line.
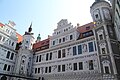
<point>82,52</point>
<point>8,41</point>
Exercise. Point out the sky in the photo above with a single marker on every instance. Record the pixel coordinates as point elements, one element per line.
<point>44,14</point>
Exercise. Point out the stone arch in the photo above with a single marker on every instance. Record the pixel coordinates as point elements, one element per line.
<point>3,77</point>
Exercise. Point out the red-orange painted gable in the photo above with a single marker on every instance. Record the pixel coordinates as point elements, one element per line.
<point>1,25</point>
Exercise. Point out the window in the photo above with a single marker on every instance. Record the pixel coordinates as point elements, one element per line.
<point>38,70</point>
<point>0,37</point>
<point>74,66</point>
<point>8,54</point>
<point>3,39</point>
<point>46,69</point>
<point>79,49</point>
<point>35,70</point>
<point>59,54</point>
<point>64,39</point>
<point>53,42</point>
<point>37,59</point>
<point>12,43</point>
<point>91,65</point>
<point>47,56</point>
<point>103,51</point>
<point>59,40</point>
<point>9,42</point>
<point>101,37</point>
<point>26,41</point>
<point>80,65</point>
<point>8,69</point>
<point>106,69</point>
<point>63,53</point>
<point>40,58</point>
<point>51,56</point>
<point>59,68</point>
<point>96,15</point>
<point>63,68</point>
<point>91,48</point>
<point>71,37</point>
<point>74,51</point>
<point>12,55</point>
<point>49,69</point>
<point>5,66</point>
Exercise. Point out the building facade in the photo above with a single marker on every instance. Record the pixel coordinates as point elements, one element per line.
<point>8,40</point>
<point>116,16</point>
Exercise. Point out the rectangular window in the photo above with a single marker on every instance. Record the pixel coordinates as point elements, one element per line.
<point>53,42</point>
<point>8,54</point>
<point>0,37</point>
<point>46,69</point>
<point>59,54</point>
<point>74,51</point>
<point>59,68</point>
<point>80,65</point>
<point>101,37</point>
<point>91,48</point>
<point>91,67</point>
<point>103,51</point>
<point>63,68</point>
<point>40,58</point>
<point>74,66</point>
<point>51,56</point>
<point>71,37</point>
<point>107,70</point>
<point>37,59</point>
<point>8,69</point>
<point>64,39</point>
<point>5,66</point>
<point>79,49</point>
<point>35,70</point>
<point>47,56</point>
<point>12,55</point>
<point>38,70</point>
<point>59,40</point>
<point>49,69</point>
<point>63,53</point>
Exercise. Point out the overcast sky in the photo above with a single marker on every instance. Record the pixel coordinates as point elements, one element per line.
<point>44,14</point>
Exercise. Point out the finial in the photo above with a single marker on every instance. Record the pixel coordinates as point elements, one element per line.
<point>30,28</point>
<point>38,38</point>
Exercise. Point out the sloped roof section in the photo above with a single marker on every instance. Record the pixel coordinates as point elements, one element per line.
<point>20,38</point>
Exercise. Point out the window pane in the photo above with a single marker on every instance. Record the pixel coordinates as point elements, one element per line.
<point>40,58</point>
<point>63,53</point>
<point>91,65</point>
<point>5,66</point>
<point>103,51</point>
<point>74,50</point>
<point>35,70</point>
<point>107,70</point>
<point>38,70</point>
<point>12,55</point>
<point>59,68</point>
<point>51,56</point>
<point>63,68</point>
<point>8,54</point>
<point>8,68</point>
<point>49,69</point>
<point>80,66</point>
<point>74,66</point>
<point>47,57</point>
<point>37,59</point>
<point>46,69</point>
<point>79,49</point>
<point>71,37</point>
<point>91,48</point>
<point>59,54</point>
